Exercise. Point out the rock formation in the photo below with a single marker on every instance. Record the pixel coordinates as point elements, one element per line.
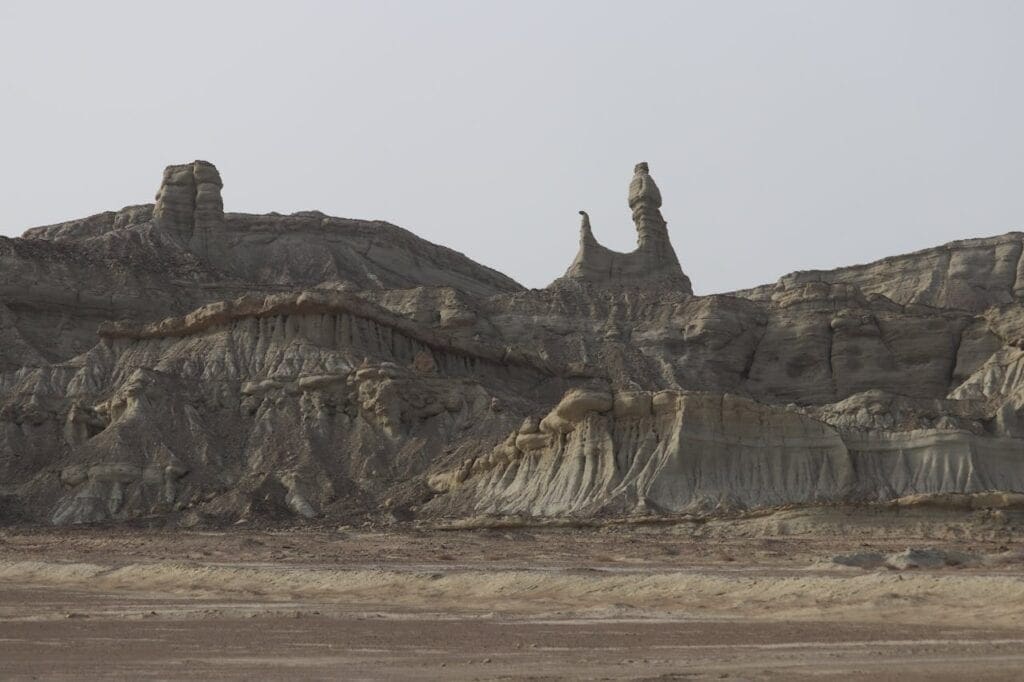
<point>189,203</point>
<point>654,259</point>
<point>201,367</point>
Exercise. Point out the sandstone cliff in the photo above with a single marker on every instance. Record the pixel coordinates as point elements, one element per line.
<point>180,362</point>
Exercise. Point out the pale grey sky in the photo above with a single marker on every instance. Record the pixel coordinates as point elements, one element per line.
<point>784,135</point>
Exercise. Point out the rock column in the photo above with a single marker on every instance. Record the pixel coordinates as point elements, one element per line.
<point>653,261</point>
<point>189,202</point>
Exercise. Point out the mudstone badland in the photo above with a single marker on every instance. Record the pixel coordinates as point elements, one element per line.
<point>174,361</point>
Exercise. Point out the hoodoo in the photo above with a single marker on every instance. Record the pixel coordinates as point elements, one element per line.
<point>189,202</point>
<point>653,259</point>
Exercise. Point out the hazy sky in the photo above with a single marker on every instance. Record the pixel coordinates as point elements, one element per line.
<point>783,135</point>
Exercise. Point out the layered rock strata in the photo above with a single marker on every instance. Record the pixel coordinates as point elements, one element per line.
<point>654,259</point>
<point>189,203</point>
<point>179,363</point>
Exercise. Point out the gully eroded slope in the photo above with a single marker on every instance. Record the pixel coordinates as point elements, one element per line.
<point>172,360</point>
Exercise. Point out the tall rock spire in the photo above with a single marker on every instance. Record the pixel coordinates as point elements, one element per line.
<point>653,260</point>
<point>189,202</point>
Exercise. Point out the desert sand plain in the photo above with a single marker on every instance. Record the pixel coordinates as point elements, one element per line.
<point>755,596</point>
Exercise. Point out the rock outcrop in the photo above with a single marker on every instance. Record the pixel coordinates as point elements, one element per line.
<point>654,259</point>
<point>189,203</point>
<point>971,274</point>
<point>144,263</point>
<point>670,451</point>
<point>173,361</point>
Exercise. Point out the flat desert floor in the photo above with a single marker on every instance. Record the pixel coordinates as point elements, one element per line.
<point>750,598</point>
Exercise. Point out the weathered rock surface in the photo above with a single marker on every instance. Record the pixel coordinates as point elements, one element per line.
<point>654,259</point>
<point>971,274</point>
<point>176,361</point>
<point>668,451</point>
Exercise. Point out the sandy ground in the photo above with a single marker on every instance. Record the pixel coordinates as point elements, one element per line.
<point>755,598</point>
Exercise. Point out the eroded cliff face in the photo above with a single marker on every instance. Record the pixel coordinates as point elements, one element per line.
<point>179,362</point>
<point>670,451</point>
<point>971,275</point>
